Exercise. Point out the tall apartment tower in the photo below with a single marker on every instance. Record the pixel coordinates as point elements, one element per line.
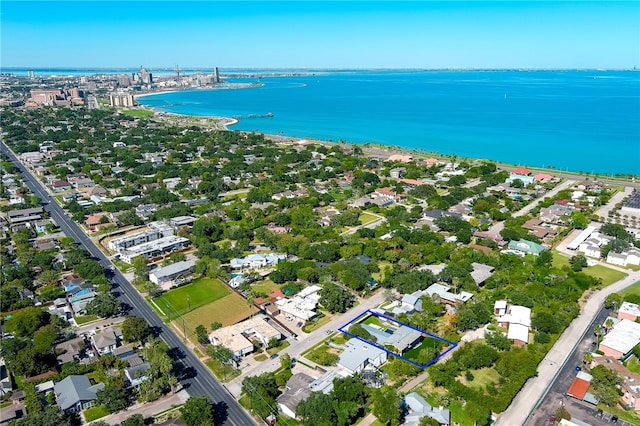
<point>217,75</point>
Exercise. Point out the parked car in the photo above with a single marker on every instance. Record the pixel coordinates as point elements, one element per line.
<point>273,356</point>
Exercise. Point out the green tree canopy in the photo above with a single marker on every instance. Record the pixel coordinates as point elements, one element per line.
<point>197,411</point>
<point>135,329</point>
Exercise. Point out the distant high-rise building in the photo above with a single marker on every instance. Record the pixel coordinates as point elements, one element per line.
<point>124,80</point>
<point>121,99</point>
<point>31,75</point>
<point>217,75</point>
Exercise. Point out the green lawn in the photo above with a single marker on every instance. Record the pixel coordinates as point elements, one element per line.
<point>192,296</point>
<point>607,275</point>
<point>484,376</point>
<point>260,357</point>
<point>633,365</point>
<point>367,218</point>
<point>137,113</point>
<point>93,413</point>
<point>316,322</point>
<point>373,320</point>
<point>223,372</point>
<point>85,319</point>
<point>428,342</point>
<point>282,344</point>
<point>264,286</point>
<point>633,289</point>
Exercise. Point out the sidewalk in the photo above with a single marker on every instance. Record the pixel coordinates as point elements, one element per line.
<point>535,388</point>
<point>148,409</point>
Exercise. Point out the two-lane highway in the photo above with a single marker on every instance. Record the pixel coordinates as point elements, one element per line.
<point>202,381</point>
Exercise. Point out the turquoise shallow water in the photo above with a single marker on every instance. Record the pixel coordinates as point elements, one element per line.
<point>570,120</point>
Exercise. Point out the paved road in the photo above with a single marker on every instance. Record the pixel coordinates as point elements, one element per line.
<point>557,393</point>
<point>198,379</point>
<point>531,395</point>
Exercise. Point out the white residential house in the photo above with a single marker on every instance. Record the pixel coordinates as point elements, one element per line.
<point>107,340</point>
<point>500,308</point>
<point>418,408</point>
<point>627,257</point>
<point>518,320</point>
<point>303,305</point>
<point>255,261</point>
<point>358,355</point>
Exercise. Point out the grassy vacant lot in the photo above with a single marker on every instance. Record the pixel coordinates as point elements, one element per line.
<point>137,113</point>
<point>199,293</point>
<point>484,376</point>
<point>367,218</point>
<point>228,310</point>
<point>264,286</point>
<point>223,372</point>
<point>607,275</point>
<point>633,289</point>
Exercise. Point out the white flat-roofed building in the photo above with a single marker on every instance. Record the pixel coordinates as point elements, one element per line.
<point>581,238</point>
<point>171,274</point>
<point>518,319</point>
<point>621,339</point>
<point>255,261</point>
<point>179,221</point>
<point>629,311</point>
<point>358,355</point>
<point>238,337</point>
<point>155,248</point>
<point>155,231</point>
<point>302,305</point>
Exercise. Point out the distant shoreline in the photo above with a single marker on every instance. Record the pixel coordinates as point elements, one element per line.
<point>380,151</point>
<point>425,150</point>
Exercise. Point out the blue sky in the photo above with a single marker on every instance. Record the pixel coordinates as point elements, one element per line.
<point>305,34</point>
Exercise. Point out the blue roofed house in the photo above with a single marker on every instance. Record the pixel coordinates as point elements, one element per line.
<point>418,408</point>
<point>75,393</point>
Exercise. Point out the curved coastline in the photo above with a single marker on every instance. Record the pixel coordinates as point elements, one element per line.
<point>379,151</point>
<point>332,138</point>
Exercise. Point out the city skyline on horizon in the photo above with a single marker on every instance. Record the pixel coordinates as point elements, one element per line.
<point>474,35</point>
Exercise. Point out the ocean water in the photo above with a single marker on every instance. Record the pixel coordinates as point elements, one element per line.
<point>587,121</point>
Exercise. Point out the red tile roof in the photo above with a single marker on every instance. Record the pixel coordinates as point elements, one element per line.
<point>578,388</point>
<point>542,176</point>
<point>521,171</point>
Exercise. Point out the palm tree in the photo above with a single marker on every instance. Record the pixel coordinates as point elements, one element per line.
<point>608,324</point>
<point>597,330</point>
<point>588,358</point>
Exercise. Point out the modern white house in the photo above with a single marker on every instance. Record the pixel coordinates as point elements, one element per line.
<point>255,261</point>
<point>518,319</point>
<point>172,274</point>
<point>358,355</point>
<point>303,305</point>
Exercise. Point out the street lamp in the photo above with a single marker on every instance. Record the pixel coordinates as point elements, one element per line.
<point>188,303</point>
